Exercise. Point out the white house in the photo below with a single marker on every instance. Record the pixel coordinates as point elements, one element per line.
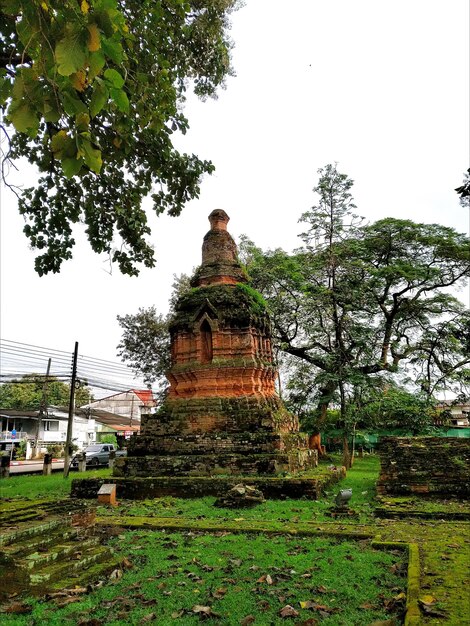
<point>17,426</point>
<point>130,404</point>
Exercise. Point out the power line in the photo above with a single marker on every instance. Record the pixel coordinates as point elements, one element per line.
<point>21,358</point>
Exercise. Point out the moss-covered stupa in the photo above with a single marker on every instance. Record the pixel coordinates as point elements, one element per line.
<point>222,414</point>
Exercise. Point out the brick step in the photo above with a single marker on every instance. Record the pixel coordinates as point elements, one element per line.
<point>25,511</point>
<point>14,517</point>
<point>22,549</point>
<point>69,569</point>
<point>36,560</point>
<point>93,573</point>
<point>17,535</point>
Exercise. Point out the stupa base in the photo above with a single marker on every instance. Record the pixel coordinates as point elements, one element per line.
<point>272,463</point>
<point>272,487</point>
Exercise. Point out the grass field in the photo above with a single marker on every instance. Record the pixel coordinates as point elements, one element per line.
<point>177,578</point>
<point>183,577</point>
<point>36,485</point>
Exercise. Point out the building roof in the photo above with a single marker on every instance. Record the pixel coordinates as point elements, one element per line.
<point>146,395</point>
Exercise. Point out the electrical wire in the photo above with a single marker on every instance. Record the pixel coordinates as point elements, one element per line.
<point>21,359</point>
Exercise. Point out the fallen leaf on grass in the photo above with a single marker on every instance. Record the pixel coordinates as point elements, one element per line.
<point>116,574</point>
<point>219,593</point>
<point>177,614</point>
<point>204,611</point>
<point>311,621</point>
<point>17,607</point>
<point>367,606</point>
<point>207,568</point>
<point>61,603</point>
<point>90,622</point>
<point>266,578</point>
<point>427,600</point>
<point>246,621</point>
<point>387,622</point>
<point>126,564</point>
<point>149,617</point>
<point>288,611</point>
<point>263,605</point>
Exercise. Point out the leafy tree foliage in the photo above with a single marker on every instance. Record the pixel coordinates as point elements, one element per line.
<point>397,409</point>
<point>145,342</point>
<point>360,302</point>
<point>464,190</point>
<point>93,89</point>
<point>27,393</point>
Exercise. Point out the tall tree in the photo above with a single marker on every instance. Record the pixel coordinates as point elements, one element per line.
<point>94,90</point>
<point>367,299</point>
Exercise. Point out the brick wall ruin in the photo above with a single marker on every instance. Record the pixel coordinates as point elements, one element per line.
<point>424,465</point>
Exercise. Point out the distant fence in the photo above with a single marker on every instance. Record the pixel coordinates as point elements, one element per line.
<point>333,439</point>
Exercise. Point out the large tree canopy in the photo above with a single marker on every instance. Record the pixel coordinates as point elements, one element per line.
<point>93,89</point>
<point>358,303</point>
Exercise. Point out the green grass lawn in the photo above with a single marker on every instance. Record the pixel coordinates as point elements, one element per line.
<point>180,577</point>
<point>37,485</point>
<point>361,479</point>
<point>177,578</point>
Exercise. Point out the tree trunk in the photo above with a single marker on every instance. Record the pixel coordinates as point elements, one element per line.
<point>353,446</point>
<point>346,454</point>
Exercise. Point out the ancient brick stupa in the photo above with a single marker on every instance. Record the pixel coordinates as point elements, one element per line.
<point>222,414</point>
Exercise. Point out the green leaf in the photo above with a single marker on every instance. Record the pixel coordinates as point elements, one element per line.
<point>104,21</point>
<point>96,62</point>
<point>120,98</point>
<point>112,50</point>
<point>115,78</point>
<point>71,167</point>
<point>72,104</point>
<point>98,99</point>
<point>24,119</point>
<point>70,53</point>
<point>82,122</point>
<point>5,89</point>
<point>63,146</point>
<point>91,156</point>
<point>50,110</point>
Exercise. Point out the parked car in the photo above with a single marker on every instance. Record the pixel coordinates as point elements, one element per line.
<point>98,454</point>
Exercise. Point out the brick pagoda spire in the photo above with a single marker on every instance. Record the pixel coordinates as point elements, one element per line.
<point>222,413</point>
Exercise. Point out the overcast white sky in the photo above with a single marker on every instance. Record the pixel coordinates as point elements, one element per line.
<point>381,87</point>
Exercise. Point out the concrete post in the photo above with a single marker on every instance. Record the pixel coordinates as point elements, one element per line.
<point>81,462</point>
<point>112,458</point>
<point>47,467</point>
<point>5,466</point>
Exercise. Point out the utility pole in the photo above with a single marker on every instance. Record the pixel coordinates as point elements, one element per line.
<point>42,409</point>
<point>71,411</point>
